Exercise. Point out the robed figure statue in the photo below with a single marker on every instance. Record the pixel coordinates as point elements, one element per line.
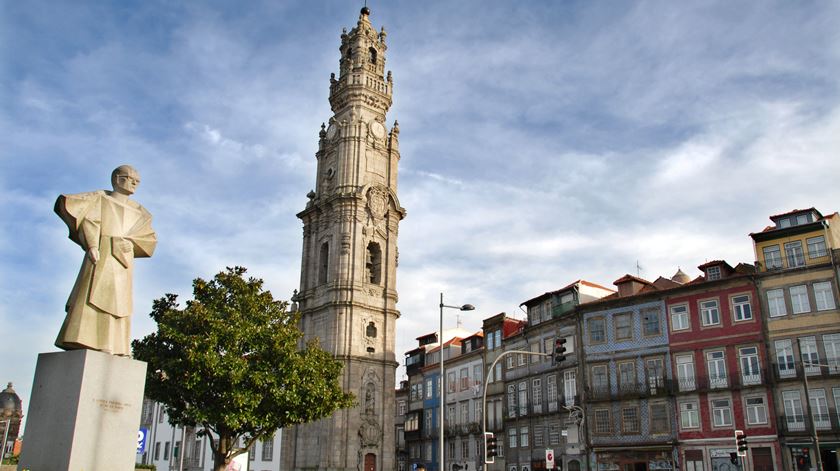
<point>112,230</point>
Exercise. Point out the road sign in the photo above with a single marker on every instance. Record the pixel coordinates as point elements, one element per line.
<point>549,459</point>
<point>141,440</point>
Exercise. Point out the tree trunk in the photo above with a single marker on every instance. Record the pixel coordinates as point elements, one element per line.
<point>220,459</point>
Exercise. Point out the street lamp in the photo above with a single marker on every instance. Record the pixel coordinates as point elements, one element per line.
<point>442,395</point>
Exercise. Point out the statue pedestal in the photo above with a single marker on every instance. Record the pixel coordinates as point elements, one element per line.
<point>84,412</point>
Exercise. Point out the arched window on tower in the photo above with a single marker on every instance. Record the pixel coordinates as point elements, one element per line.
<point>349,53</point>
<point>373,264</point>
<point>372,55</point>
<point>323,262</point>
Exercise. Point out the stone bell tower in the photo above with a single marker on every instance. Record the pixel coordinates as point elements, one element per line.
<point>348,272</point>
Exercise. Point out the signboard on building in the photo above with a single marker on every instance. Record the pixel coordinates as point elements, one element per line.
<point>549,459</point>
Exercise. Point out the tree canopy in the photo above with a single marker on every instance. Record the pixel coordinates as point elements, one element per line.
<point>232,363</point>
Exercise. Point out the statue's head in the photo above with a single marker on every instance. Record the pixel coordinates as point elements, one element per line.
<point>125,179</point>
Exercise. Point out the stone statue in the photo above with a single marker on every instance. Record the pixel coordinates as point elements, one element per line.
<point>112,230</point>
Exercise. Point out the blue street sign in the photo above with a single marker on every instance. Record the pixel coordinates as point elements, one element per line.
<point>141,440</point>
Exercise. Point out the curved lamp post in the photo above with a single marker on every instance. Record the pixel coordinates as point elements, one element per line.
<point>442,395</point>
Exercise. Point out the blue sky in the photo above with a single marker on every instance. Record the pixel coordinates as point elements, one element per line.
<point>541,141</point>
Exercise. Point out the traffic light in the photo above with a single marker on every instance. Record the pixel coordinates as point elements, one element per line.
<point>559,350</point>
<point>491,448</point>
<point>741,442</point>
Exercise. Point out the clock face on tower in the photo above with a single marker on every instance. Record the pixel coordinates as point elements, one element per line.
<point>377,129</point>
<point>332,131</point>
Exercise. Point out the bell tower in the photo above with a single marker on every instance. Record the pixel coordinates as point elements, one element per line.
<point>348,291</point>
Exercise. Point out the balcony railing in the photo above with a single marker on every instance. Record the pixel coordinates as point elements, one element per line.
<point>791,261</point>
<point>794,370</point>
<point>648,388</point>
<point>735,380</point>
<point>802,423</point>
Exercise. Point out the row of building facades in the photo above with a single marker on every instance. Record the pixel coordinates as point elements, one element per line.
<point>658,374</point>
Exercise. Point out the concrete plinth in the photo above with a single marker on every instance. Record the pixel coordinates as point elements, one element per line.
<point>84,412</point>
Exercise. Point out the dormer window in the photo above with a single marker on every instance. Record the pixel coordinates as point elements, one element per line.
<point>713,273</point>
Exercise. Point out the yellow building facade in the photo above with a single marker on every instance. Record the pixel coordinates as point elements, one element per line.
<point>798,282</point>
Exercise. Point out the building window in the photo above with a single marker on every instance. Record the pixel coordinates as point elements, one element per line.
<point>679,317</point>
<point>554,431</point>
<point>602,421</point>
<point>597,332</point>
<point>465,449</point>
<point>784,358</point>
<point>522,361</point>
<point>750,372</point>
<point>831,344</point>
<point>685,372</point>
<point>539,439</point>
<point>654,369</point>
<point>166,451</point>
<point>465,378</point>
<point>523,398</point>
<point>793,253</point>
<point>824,296</point>
<point>776,303</point>
<point>429,389</point>
<point>465,412</point>
<point>536,394</point>
<point>630,419</point>
<point>808,353</point>
<point>268,449</point>
<point>511,392</point>
<point>650,322</point>
<point>627,376</point>
<point>659,421</point>
<point>756,411</point>
<point>412,422</point>
<point>600,381</point>
<point>535,314</point>
<point>157,450</point>
<point>816,247</point>
<point>693,460</point>
<point>819,409</point>
<point>510,361</point>
<point>512,437</point>
<point>324,264</point>
<point>689,415</point>
<point>741,307</point>
<point>450,450</point>
<point>709,312</point>
<point>477,411</point>
<point>716,364</point>
<point>713,273</point>
<point>451,384</point>
<point>794,419</point>
<point>373,264</point>
<point>523,436</point>
<point>772,257</point>
<point>427,420</point>
<point>477,377</point>
<point>372,56</point>
<point>721,413</point>
<point>623,325</point>
<point>551,392</point>
<point>799,299</point>
<point>569,386</point>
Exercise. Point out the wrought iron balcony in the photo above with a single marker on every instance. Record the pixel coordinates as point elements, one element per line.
<point>647,388</point>
<point>706,383</point>
<point>802,424</point>
<point>794,370</point>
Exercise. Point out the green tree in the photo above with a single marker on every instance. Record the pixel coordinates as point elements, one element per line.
<point>232,362</point>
